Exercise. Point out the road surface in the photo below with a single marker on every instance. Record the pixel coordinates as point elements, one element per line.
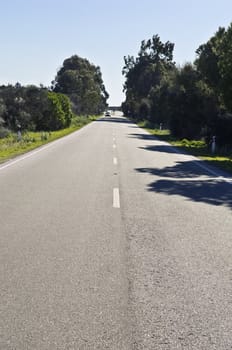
<point>110,239</point>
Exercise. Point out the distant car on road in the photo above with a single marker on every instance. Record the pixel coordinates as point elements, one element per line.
<point>107,114</point>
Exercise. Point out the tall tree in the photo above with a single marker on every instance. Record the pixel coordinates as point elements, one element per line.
<point>144,76</point>
<point>190,103</point>
<point>214,62</point>
<point>208,57</point>
<point>82,82</point>
<point>225,68</point>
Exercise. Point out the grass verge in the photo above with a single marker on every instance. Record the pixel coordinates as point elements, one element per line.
<point>221,159</point>
<point>11,146</point>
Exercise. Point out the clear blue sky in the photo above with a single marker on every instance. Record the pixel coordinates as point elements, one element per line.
<point>37,35</point>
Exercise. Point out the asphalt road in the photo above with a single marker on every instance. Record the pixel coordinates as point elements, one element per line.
<point>110,239</point>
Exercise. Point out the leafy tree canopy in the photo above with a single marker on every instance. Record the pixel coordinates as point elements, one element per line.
<point>33,108</point>
<point>225,68</point>
<point>145,75</point>
<point>82,82</point>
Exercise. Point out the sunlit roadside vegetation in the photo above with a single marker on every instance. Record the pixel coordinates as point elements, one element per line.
<point>13,145</point>
<point>193,101</point>
<point>222,158</point>
<point>31,116</point>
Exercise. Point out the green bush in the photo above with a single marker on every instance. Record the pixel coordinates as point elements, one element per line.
<point>4,132</point>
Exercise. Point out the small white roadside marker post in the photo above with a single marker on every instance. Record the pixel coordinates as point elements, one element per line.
<point>213,146</point>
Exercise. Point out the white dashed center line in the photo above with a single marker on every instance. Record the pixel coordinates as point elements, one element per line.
<point>116,198</point>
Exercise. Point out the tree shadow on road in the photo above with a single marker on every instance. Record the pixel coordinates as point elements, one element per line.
<point>189,180</point>
<point>142,136</point>
<point>161,147</point>
<point>114,120</point>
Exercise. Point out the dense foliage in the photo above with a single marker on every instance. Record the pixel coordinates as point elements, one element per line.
<point>33,108</point>
<point>194,100</point>
<point>78,88</point>
<point>82,82</point>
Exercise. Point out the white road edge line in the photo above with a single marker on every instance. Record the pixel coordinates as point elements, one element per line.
<point>27,155</point>
<point>199,163</point>
<point>39,149</point>
<point>116,198</point>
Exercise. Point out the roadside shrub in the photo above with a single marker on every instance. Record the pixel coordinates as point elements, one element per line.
<point>4,132</point>
<point>223,130</point>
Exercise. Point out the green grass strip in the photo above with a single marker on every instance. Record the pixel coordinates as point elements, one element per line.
<point>11,146</point>
<point>221,159</point>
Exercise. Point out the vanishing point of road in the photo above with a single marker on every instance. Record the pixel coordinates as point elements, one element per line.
<point>111,239</point>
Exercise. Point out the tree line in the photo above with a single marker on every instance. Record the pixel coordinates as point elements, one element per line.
<point>77,89</point>
<point>194,100</point>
